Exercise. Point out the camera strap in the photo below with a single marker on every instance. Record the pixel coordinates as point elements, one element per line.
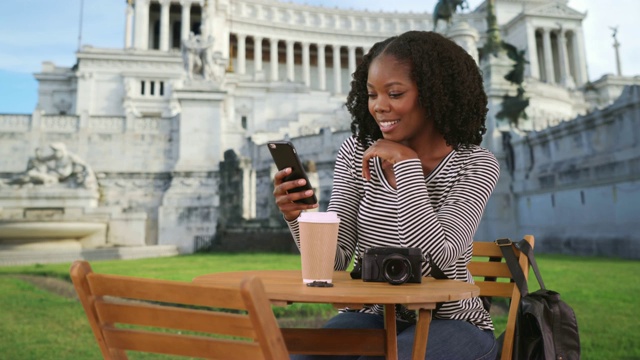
<point>436,272</point>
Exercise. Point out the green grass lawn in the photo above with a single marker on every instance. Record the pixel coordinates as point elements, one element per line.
<point>37,324</point>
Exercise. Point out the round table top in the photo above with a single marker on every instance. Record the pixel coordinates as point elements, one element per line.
<point>286,286</point>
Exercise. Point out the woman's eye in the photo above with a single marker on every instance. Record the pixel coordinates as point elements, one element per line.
<point>395,95</point>
<point>371,96</point>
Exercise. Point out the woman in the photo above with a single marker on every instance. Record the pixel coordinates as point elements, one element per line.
<point>413,175</point>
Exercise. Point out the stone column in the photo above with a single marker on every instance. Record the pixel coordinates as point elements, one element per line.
<point>164,24</point>
<point>337,70</point>
<point>185,19</point>
<point>306,67</point>
<point>257,57</point>
<point>290,60</point>
<point>565,74</point>
<point>352,59</point>
<point>579,57</point>
<point>322,70</point>
<point>242,53</point>
<point>533,68</point>
<point>128,25</point>
<point>273,59</point>
<point>141,32</point>
<point>548,56</point>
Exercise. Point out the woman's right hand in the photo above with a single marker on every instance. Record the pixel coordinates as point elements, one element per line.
<point>285,200</point>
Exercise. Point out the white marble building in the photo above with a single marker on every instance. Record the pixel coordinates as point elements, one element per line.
<point>154,120</point>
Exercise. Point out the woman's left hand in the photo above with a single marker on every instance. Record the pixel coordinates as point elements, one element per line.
<point>387,150</point>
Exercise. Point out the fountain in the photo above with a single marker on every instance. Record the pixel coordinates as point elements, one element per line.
<point>50,213</point>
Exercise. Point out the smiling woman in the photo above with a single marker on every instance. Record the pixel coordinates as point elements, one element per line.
<point>412,175</point>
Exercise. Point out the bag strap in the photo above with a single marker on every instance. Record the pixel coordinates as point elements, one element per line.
<point>506,246</point>
<point>524,246</point>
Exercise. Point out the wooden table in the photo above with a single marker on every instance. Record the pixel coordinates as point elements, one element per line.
<point>285,286</point>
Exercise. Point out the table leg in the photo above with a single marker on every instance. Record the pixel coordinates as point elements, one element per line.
<point>391,332</point>
<point>422,334</point>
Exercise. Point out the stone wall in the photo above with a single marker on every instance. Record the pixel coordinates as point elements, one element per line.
<point>577,184</point>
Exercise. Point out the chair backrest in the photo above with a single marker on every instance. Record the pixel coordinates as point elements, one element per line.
<point>494,279</point>
<point>178,318</point>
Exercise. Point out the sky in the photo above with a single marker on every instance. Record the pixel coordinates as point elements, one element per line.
<point>34,31</point>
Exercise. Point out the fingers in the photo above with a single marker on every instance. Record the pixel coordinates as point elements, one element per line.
<point>389,151</point>
<point>366,174</point>
<point>372,152</point>
<point>280,175</point>
<point>285,200</point>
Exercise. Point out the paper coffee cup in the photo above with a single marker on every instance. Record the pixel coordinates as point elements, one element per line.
<point>318,243</point>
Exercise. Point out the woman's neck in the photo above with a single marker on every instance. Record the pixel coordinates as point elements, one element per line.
<point>431,149</point>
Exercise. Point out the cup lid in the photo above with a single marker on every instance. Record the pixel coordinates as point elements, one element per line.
<point>319,217</point>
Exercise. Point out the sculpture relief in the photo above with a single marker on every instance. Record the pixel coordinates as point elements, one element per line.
<point>61,167</point>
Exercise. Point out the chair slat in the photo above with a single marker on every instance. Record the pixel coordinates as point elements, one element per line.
<point>486,268</point>
<point>164,291</point>
<point>486,248</point>
<point>176,318</point>
<point>185,345</point>
<point>490,288</point>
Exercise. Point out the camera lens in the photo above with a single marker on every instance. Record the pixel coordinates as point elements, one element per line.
<point>396,269</point>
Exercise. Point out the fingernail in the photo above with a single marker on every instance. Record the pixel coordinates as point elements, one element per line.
<point>301,182</point>
<point>308,192</point>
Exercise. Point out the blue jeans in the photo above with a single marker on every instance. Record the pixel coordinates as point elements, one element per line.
<point>448,339</point>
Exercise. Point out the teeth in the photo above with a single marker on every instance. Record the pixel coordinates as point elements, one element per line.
<point>386,124</point>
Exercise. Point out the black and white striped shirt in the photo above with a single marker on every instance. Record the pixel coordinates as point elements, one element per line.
<point>438,213</point>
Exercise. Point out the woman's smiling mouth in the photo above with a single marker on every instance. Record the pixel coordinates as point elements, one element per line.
<point>387,125</point>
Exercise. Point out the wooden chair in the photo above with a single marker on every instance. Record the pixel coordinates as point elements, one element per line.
<point>149,315</point>
<point>488,263</point>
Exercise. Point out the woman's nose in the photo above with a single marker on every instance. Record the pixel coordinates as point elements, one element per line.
<point>380,106</point>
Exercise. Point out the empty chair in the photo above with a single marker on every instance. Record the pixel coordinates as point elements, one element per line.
<point>179,318</point>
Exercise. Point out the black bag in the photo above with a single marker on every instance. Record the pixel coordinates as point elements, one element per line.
<point>546,327</point>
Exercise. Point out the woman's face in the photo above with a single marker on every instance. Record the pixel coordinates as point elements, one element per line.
<point>393,100</point>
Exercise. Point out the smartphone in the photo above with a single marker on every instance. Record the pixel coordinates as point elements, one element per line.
<point>284,154</point>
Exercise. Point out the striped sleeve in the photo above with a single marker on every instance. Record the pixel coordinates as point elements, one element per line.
<point>447,233</point>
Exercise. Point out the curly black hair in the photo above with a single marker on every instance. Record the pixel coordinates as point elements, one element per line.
<point>449,87</point>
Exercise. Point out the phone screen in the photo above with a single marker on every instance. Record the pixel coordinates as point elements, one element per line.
<point>284,154</point>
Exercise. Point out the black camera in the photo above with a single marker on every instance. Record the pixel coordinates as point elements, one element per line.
<point>395,265</point>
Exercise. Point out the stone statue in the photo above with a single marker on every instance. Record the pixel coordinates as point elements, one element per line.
<point>513,107</point>
<point>37,173</point>
<point>516,75</point>
<point>191,55</point>
<point>200,59</point>
<point>445,9</point>
<point>60,167</point>
<point>615,33</point>
<point>214,64</point>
